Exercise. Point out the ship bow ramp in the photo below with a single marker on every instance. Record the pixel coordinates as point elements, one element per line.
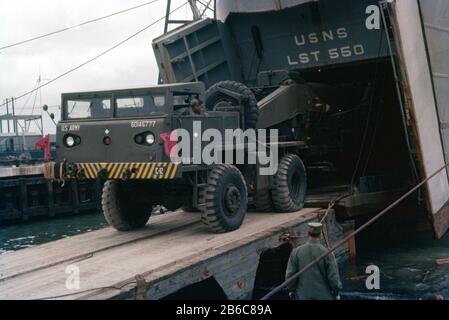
<point>174,252</point>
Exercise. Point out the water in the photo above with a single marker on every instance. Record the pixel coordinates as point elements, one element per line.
<point>408,268</point>
<point>31,234</point>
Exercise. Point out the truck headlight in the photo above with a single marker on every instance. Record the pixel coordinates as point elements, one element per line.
<point>145,139</point>
<point>70,141</point>
<point>149,138</point>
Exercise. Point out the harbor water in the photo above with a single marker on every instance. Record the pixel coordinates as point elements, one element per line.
<point>408,268</point>
<point>16,237</point>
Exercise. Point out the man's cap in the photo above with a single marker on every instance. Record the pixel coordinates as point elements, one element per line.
<point>315,228</point>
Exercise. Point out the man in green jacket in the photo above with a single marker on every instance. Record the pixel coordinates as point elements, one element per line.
<point>322,281</point>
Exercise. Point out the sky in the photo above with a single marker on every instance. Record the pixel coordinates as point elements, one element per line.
<point>128,66</point>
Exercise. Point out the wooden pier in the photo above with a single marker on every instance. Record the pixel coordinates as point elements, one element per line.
<point>25,194</point>
<point>171,253</point>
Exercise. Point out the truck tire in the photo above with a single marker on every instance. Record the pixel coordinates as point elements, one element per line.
<point>120,209</point>
<point>263,201</point>
<point>226,199</point>
<point>290,184</point>
<point>214,97</point>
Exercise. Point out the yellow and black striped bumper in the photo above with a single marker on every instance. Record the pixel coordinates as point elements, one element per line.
<point>126,171</point>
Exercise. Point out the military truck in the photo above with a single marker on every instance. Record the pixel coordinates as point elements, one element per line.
<point>123,138</point>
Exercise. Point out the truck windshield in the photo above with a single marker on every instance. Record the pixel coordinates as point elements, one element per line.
<point>143,105</point>
<point>88,108</point>
<point>126,106</point>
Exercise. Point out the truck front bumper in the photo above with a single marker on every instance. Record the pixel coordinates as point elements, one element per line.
<point>113,171</point>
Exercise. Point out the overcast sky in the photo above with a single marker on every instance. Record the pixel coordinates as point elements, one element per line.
<point>131,65</point>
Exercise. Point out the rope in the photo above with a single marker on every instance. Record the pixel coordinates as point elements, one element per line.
<point>61,175</point>
<point>352,235</point>
<point>368,119</point>
<point>324,232</point>
<point>333,203</point>
<point>49,172</point>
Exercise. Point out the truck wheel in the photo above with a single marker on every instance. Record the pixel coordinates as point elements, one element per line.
<point>120,209</point>
<point>290,184</point>
<point>226,199</point>
<point>215,98</point>
<point>263,201</point>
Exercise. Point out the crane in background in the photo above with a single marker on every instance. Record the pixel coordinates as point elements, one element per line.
<point>198,8</point>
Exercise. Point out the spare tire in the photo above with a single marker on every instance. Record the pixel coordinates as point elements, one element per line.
<point>215,97</point>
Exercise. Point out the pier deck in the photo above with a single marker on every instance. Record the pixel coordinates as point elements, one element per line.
<point>174,251</point>
<point>21,171</point>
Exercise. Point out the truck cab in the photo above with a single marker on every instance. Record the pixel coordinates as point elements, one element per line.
<point>120,125</point>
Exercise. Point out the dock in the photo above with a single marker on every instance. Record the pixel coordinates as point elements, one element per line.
<point>22,171</point>
<point>173,252</point>
<point>25,194</point>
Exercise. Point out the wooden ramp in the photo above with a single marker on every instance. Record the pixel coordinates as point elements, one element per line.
<point>174,251</point>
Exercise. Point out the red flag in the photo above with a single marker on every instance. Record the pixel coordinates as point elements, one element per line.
<point>44,144</point>
<point>168,144</point>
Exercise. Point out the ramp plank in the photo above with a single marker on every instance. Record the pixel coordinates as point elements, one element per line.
<point>108,259</point>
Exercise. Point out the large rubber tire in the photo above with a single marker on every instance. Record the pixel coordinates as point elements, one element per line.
<point>226,199</point>
<point>290,184</point>
<point>263,201</point>
<point>120,206</point>
<point>214,97</point>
